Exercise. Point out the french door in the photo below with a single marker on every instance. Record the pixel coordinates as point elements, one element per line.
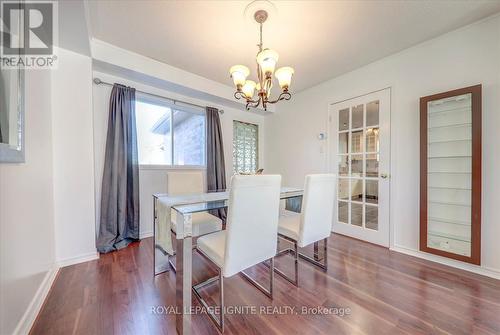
<point>360,157</point>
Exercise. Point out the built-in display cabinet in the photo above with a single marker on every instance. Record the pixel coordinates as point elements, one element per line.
<point>450,174</point>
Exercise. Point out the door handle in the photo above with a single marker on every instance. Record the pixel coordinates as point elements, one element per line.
<point>384,176</point>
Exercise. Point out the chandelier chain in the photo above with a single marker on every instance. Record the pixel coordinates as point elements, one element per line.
<point>261,44</point>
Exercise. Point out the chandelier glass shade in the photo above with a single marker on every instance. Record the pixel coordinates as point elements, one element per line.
<point>266,65</point>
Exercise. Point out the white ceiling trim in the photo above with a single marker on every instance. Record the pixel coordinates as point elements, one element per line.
<point>119,61</point>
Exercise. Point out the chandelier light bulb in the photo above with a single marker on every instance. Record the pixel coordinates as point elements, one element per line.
<point>249,88</point>
<point>267,60</point>
<point>284,76</point>
<point>239,73</point>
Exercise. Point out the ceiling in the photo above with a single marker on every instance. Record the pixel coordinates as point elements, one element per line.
<point>320,39</point>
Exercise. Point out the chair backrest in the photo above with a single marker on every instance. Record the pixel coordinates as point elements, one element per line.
<point>184,182</point>
<point>317,208</point>
<point>252,221</point>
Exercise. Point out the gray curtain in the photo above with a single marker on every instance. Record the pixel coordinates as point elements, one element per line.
<point>119,221</point>
<point>216,168</point>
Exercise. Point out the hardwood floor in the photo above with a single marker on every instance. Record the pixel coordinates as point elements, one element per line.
<point>385,292</point>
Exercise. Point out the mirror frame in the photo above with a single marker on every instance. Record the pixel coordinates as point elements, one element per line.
<point>10,153</point>
<point>476,111</point>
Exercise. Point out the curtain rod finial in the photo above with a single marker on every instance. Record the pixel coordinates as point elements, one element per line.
<point>97,81</point>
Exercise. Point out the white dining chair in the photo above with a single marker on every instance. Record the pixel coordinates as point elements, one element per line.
<point>249,238</point>
<point>187,182</point>
<point>312,225</point>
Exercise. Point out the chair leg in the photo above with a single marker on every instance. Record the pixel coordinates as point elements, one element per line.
<point>325,253</point>
<point>174,244</point>
<point>221,296</point>
<point>295,252</point>
<point>218,321</point>
<point>267,292</point>
<point>315,261</point>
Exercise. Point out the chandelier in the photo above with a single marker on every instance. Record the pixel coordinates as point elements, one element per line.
<point>266,63</point>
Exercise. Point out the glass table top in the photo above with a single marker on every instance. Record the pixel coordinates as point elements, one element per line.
<point>200,207</point>
<point>203,204</point>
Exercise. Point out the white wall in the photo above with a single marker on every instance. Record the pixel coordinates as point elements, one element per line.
<point>153,179</point>
<point>73,158</point>
<point>27,210</point>
<point>461,58</point>
<point>47,203</point>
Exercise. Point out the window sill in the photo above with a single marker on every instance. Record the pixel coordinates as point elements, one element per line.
<point>171,167</point>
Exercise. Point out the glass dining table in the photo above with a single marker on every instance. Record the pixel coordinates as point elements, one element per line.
<point>180,209</point>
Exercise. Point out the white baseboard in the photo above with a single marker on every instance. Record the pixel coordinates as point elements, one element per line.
<point>29,316</point>
<point>78,259</point>
<point>481,270</point>
<point>146,234</point>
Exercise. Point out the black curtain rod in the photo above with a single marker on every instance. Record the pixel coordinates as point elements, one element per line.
<point>98,81</point>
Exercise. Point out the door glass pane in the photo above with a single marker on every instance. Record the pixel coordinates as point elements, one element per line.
<point>343,143</point>
<point>357,117</point>
<point>372,113</point>
<point>357,141</point>
<point>372,141</point>
<point>343,191</point>
<point>343,168</point>
<point>357,190</point>
<point>372,191</point>
<point>372,165</point>
<point>356,165</point>
<point>357,214</point>
<point>343,211</point>
<point>344,119</point>
<point>371,217</point>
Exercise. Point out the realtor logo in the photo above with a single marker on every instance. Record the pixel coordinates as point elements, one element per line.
<point>28,33</point>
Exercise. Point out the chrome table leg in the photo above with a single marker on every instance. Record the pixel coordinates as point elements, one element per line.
<point>183,277</point>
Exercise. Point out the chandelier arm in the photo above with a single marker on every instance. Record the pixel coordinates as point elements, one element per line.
<point>283,96</point>
<point>258,102</point>
<point>250,101</point>
<point>255,103</point>
<point>239,95</point>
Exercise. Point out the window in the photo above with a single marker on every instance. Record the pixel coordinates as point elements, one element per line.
<point>245,147</point>
<point>158,144</point>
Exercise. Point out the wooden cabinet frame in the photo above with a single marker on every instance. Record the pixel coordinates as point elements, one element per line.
<point>475,257</point>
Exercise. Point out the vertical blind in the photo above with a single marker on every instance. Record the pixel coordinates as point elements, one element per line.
<point>245,147</point>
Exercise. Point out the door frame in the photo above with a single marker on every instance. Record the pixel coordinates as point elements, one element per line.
<point>331,167</point>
